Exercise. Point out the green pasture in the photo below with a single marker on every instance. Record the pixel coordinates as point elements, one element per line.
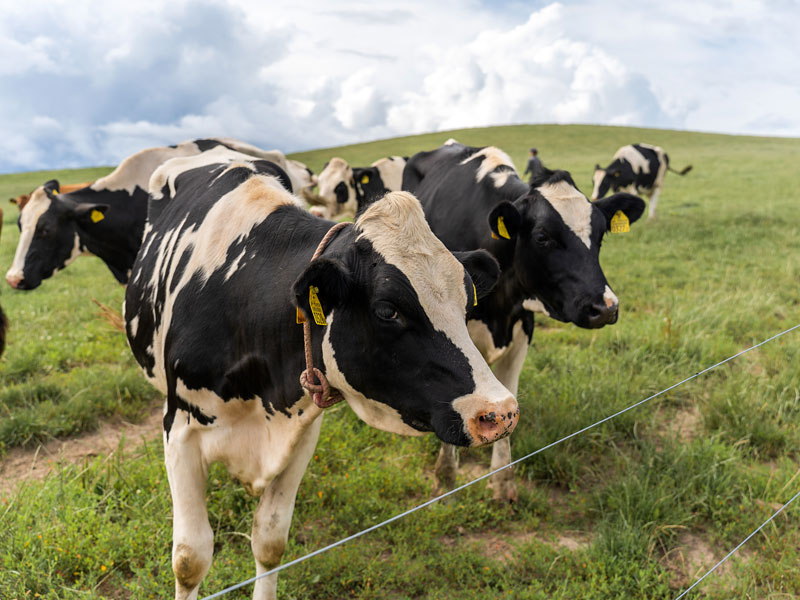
<point>623,511</point>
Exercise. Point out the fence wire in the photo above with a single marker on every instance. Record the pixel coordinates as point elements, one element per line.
<point>404,514</point>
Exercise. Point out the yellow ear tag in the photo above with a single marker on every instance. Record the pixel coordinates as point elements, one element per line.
<point>365,179</point>
<point>501,228</point>
<point>474,294</point>
<point>316,307</point>
<point>96,216</point>
<point>300,318</point>
<point>620,223</point>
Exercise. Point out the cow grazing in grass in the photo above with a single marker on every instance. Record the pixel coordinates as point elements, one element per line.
<point>344,191</point>
<point>210,316</point>
<point>546,238</point>
<point>106,219</point>
<point>23,199</point>
<point>638,169</point>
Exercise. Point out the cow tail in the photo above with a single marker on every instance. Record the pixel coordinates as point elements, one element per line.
<point>684,171</point>
<point>3,327</point>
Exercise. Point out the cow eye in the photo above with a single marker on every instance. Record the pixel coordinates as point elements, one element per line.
<point>42,231</point>
<point>542,239</point>
<point>386,312</point>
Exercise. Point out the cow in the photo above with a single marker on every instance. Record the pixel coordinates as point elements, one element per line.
<point>107,218</point>
<point>636,168</point>
<point>3,319</point>
<point>21,200</point>
<point>210,315</point>
<point>546,238</point>
<point>344,190</point>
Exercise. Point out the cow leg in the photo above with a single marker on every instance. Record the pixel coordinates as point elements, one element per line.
<point>444,472</point>
<point>651,211</point>
<point>274,513</point>
<point>192,538</point>
<point>507,370</point>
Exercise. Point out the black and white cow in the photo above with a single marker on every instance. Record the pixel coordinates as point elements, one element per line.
<point>106,219</point>
<point>636,168</point>
<point>545,237</point>
<point>344,191</point>
<point>210,316</point>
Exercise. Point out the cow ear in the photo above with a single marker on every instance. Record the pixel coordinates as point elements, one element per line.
<point>483,269</point>
<point>597,167</point>
<point>89,214</point>
<point>52,186</point>
<point>632,206</point>
<point>325,280</point>
<point>504,221</point>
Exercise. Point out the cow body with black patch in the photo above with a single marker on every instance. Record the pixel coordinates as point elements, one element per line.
<point>106,219</point>
<point>546,238</point>
<point>638,169</point>
<point>210,316</point>
<point>345,191</point>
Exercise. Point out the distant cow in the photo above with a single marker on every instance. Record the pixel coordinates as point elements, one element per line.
<point>23,199</point>
<point>3,319</point>
<point>210,316</point>
<point>344,190</point>
<point>637,168</point>
<point>547,241</point>
<point>107,218</point>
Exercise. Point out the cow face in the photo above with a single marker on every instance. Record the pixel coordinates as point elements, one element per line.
<point>49,235</point>
<point>617,176</point>
<point>337,188</point>
<point>397,344</point>
<point>557,234</point>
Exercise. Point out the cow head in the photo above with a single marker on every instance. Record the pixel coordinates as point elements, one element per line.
<point>397,344</point>
<point>552,237</point>
<point>49,235</point>
<point>616,176</point>
<point>337,192</point>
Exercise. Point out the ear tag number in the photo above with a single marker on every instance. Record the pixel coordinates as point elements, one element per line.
<point>474,294</point>
<point>96,216</point>
<point>300,318</point>
<point>316,307</point>
<point>501,228</point>
<point>620,223</point>
<point>364,179</point>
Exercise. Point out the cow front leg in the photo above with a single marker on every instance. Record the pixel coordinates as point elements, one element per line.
<point>651,210</point>
<point>444,472</point>
<point>507,370</point>
<point>274,513</point>
<point>192,537</point>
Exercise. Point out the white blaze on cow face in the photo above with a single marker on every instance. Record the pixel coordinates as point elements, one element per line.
<point>38,204</point>
<point>574,208</point>
<point>610,298</point>
<point>490,158</point>
<point>397,229</point>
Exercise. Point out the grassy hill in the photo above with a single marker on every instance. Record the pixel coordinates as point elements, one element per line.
<point>636,508</point>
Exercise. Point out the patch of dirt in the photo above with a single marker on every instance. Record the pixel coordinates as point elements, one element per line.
<point>683,425</point>
<point>24,464</point>
<point>693,556</point>
<point>502,547</point>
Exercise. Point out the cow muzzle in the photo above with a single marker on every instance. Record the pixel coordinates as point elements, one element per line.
<point>604,314</point>
<point>14,280</point>
<point>491,421</point>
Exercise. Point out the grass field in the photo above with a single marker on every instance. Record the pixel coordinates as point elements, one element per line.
<point>636,508</point>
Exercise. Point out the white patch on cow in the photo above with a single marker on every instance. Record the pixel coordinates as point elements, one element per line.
<point>639,163</point>
<point>484,342</point>
<point>597,179</point>
<point>450,142</point>
<point>491,158</point>
<point>133,324</point>
<point>391,172</point>
<point>76,250</point>
<point>373,413</point>
<point>535,305</point>
<point>574,208</point>
<point>135,170</point>
<point>337,171</point>
<point>38,204</point>
<point>501,178</point>
<point>609,297</point>
<point>398,231</point>
<point>235,265</point>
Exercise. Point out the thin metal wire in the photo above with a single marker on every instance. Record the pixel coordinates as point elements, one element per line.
<point>732,552</point>
<point>489,474</point>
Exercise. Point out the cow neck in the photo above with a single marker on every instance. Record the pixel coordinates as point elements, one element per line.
<point>502,308</point>
<point>322,393</point>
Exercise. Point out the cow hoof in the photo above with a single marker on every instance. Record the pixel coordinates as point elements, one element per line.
<point>504,493</point>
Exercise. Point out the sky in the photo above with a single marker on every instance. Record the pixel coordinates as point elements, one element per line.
<point>88,83</point>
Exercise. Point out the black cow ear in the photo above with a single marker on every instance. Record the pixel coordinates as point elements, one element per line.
<point>52,186</point>
<point>597,167</point>
<point>324,284</point>
<point>504,221</point>
<point>631,206</point>
<point>89,214</point>
<point>483,269</point>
